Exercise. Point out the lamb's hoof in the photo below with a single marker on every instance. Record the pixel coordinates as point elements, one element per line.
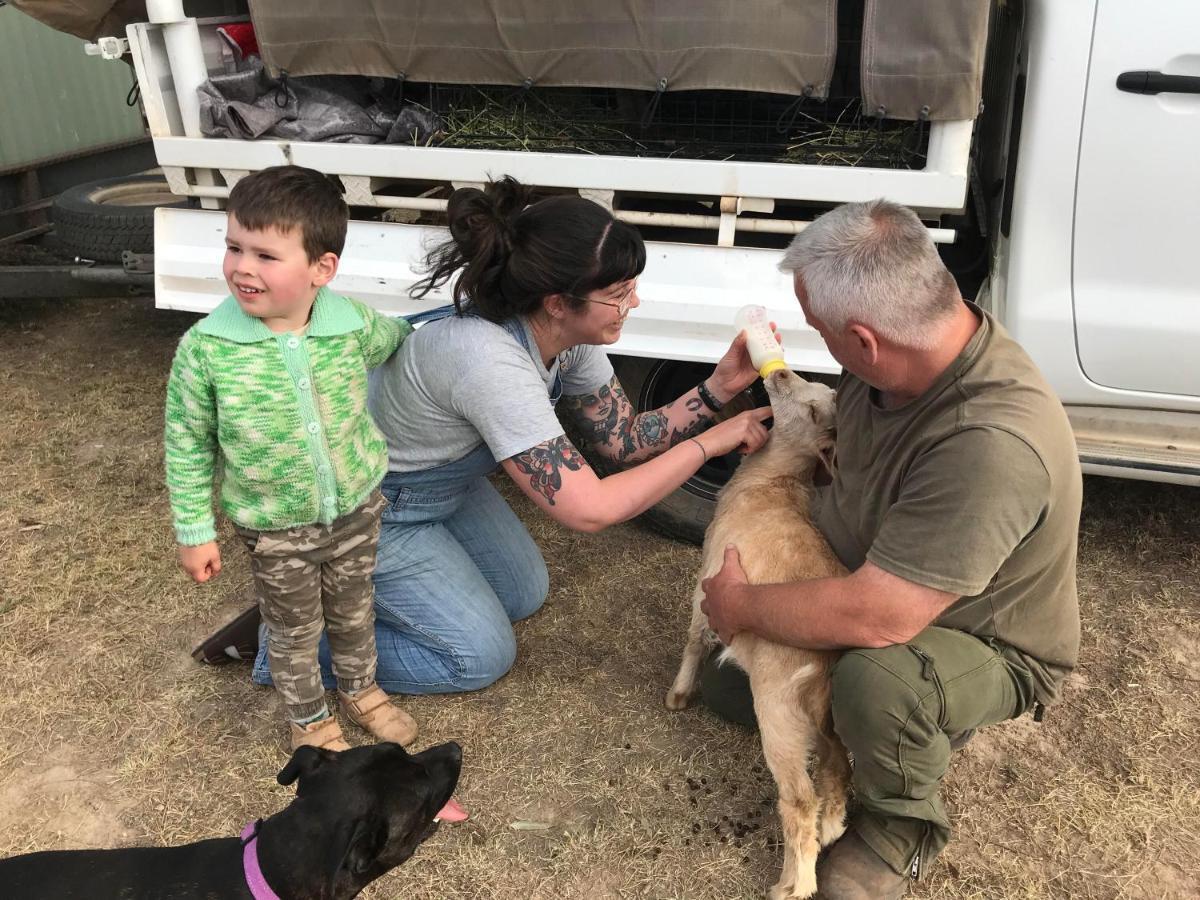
<point>677,700</point>
<point>798,891</point>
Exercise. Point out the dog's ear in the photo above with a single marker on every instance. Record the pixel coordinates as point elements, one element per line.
<point>303,763</point>
<point>366,843</point>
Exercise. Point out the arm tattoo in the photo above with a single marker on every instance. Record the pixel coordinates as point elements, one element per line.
<point>606,419</point>
<point>597,413</point>
<point>543,465</point>
<point>702,424</point>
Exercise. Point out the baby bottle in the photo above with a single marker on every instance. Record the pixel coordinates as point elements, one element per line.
<point>765,352</point>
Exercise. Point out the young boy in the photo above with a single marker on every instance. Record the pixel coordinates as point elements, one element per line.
<point>272,388</point>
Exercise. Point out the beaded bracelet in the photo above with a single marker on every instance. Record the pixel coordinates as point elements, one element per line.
<point>707,398</point>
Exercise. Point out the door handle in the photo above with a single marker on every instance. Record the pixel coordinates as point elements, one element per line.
<point>1158,83</point>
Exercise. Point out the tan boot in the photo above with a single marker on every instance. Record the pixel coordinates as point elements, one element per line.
<point>324,734</point>
<point>372,710</point>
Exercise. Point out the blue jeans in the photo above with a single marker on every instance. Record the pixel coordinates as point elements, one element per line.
<point>455,569</point>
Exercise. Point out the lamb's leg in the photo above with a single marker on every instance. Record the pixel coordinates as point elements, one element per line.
<point>833,786</point>
<point>787,738</point>
<point>684,686</point>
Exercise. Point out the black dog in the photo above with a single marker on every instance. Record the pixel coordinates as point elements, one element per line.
<point>357,814</point>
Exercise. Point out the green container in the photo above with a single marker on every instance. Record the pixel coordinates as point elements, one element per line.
<point>55,100</point>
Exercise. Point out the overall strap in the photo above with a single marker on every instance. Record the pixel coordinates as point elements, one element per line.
<point>514,327</point>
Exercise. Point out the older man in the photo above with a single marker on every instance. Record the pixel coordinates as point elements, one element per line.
<point>955,507</point>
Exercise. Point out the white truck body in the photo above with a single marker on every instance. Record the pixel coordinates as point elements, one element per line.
<point>1091,271</point>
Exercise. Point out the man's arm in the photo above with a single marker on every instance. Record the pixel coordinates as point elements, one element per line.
<point>868,608</point>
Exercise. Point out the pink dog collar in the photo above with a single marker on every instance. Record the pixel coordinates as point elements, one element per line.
<point>259,889</point>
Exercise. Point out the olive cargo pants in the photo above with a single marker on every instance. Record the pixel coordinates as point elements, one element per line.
<point>896,709</point>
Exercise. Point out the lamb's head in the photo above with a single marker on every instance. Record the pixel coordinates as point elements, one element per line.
<point>803,412</point>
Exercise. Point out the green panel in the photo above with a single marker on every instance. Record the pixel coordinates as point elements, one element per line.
<point>54,98</point>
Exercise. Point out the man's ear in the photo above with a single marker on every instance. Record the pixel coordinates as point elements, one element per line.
<point>324,269</point>
<point>304,762</point>
<point>866,343</point>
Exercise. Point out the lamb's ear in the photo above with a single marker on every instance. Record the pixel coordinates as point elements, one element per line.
<point>827,454</point>
<point>304,762</point>
<point>812,411</point>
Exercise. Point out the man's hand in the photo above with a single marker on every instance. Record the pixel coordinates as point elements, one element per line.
<point>201,562</point>
<point>724,596</point>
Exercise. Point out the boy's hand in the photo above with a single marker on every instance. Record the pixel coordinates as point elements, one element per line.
<point>201,562</point>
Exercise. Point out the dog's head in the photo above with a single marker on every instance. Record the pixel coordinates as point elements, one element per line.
<point>803,412</point>
<point>378,802</point>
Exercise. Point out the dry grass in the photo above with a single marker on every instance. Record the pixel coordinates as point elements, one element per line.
<point>110,734</point>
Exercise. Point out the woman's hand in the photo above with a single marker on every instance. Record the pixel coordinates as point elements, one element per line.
<point>745,433</point>
<point>735,372</point>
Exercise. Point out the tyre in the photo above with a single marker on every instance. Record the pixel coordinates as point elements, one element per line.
<point>101,219</point>
<point>649,384</point>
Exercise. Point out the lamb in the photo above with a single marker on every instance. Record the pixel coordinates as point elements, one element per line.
<point>763,511</point>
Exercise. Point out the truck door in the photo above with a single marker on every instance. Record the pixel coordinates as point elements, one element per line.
<point>1136,266</point>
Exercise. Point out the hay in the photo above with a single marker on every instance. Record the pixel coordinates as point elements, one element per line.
<point>109,733</point>
<point>614,123</point>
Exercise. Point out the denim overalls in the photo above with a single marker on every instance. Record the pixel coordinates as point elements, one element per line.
<point>455,568</point>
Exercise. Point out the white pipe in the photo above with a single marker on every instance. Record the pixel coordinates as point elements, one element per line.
<point>632,216</point>
<point>185,56</point>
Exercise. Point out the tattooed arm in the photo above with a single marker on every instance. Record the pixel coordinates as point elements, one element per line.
<point>619,434</point>
<point>556,477</point>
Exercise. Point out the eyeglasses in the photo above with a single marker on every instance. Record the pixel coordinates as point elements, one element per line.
<point>622,306</point>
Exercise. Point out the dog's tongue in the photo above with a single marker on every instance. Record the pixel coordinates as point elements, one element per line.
<point>453,812</point>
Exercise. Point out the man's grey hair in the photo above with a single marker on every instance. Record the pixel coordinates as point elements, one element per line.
<point>874,263</point>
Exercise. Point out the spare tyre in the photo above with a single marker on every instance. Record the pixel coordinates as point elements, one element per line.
<point>101,219</point>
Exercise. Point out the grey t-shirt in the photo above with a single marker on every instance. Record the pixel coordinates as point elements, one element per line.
<point>463,381</point>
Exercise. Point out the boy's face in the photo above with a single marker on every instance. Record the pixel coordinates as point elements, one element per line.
<point>270,274</point>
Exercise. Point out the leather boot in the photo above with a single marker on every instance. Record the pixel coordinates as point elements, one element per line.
<point>324,734</point>
<point>853,871</point>
<point>371,709</point>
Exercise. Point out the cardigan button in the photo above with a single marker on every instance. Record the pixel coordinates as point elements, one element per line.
<point>293,343</point>
<point>302,384</point>
<point>313,427</point>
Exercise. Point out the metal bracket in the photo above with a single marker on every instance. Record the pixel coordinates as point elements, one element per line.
<point>137,263</point>
<point>107,47</point>
<point>357,190</point>
<point>598,195</point>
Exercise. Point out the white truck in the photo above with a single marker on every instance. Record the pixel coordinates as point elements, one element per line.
<point>1067,201</point>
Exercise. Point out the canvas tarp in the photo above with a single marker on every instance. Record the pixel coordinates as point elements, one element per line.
<point>86,19</point>
<point>920,58</point>
<point>779,46</point>
<point>924,58</point>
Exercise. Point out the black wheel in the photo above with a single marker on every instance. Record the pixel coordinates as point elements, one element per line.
<point>100,219</point>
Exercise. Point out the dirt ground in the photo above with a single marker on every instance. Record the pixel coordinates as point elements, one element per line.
<point>581,785</point>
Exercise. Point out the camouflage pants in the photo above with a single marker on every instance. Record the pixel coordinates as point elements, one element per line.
<point>314,578</point>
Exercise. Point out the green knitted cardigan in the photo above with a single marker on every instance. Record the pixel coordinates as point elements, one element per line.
<point>282,417</point>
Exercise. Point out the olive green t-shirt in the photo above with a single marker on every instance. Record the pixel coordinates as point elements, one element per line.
<point>974,488</point>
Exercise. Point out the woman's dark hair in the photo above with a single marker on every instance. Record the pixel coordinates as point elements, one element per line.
<point>510,255</point>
